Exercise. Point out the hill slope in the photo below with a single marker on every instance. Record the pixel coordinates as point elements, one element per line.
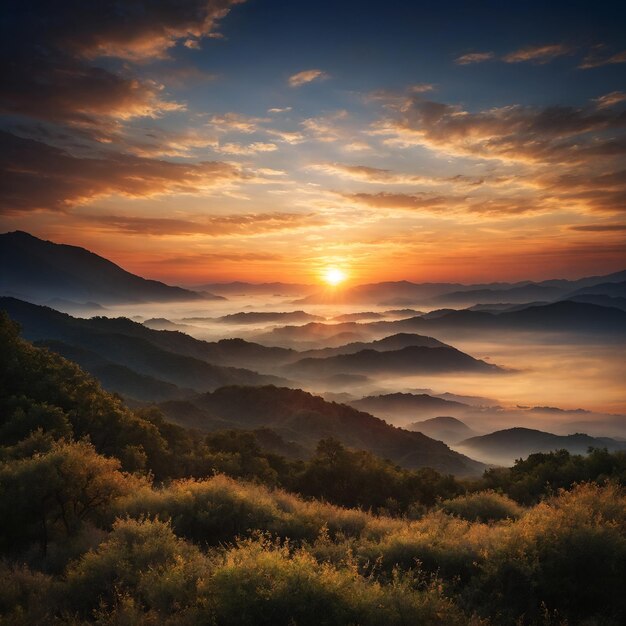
<point>39,270</point>
<point>304,418</point>
<point>408,360</point>
<point>167,356</point>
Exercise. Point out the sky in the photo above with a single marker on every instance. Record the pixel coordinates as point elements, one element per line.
<point>212,140</point>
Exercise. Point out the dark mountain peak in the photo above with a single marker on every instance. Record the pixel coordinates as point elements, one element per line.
<point>40,270</point>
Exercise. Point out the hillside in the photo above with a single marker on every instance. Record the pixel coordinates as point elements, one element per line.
<point>504,446</point>
<point>392,342</point>
<point>168,356</point>
<point>447,429</point>
<point>408,406</point>
<point>409,360</point>
<point>305,419</point>
<point>38,270</point>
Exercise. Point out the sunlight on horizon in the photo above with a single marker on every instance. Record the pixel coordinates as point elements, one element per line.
<point>334,276</point>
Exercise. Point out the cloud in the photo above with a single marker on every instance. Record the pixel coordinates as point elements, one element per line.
<point>474,57</point>
<point>555,134</point>
<point>610,99</point>
<point>325,127</point>
<point>248,224</point>
<point>146,29</point>
<point>537,54</point>
<point>279,110</point>
<point>37,176</point>
<point>366,174</point>
<point>596,59</point>
<point>384,200</point>
<point>599,228</point>
<point>306,76</point>
<point>235,122</point>
<point>49,74</point>
<point>240,149</point>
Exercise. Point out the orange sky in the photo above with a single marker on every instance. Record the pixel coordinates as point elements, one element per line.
<point>165,148</point>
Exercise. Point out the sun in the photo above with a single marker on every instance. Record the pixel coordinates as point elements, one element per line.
<point>334,276</point>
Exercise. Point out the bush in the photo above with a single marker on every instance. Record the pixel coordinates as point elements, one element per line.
<point>482,506</point>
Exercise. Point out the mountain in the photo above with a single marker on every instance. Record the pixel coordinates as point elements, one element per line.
<point>393,342</point>
<point>254,317</point>
<point>504,446</point>
<point>612,289</point>
<point>169,356</point>
<point>38,270</point>
<point>447,429</point>
<point>516,295</point>
<point>305,419</point>
<point>600,300</point>
<point>406,361</point>
<point>408,406</point>
<point>406,293</point>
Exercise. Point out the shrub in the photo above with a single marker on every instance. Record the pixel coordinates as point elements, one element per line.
<point>482,506</point>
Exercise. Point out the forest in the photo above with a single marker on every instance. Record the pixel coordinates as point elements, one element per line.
<point>115,516</point>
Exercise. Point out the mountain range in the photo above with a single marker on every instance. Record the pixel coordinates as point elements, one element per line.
<point>402,293</point>
<point>303,418</point>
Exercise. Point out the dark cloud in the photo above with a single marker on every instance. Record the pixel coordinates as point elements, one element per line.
<point>35,175</point>
<point>239,224</point>
<point>49,50</point>
<point>554,134</point>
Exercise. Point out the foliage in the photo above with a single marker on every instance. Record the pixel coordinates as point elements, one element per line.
<point>482,506</point>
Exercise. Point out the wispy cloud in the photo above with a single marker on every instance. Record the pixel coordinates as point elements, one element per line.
<point>306,76</point>
<point>474,57</point>
<point>610,99</point>
<point>538,54</point>
<point>596,58</point>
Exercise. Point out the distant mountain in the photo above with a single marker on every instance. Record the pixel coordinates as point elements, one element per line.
<point>254,317</point>
<point>600,300</point>
<point>406,293</point>
<point>564,316</point>
<point>305,419</point>
<point>374,315</point>
<point>393,342</point>
<point>516,295</point>
<point>612,289</point>
<point>38,270</point>
<point>406,361</point>
<point>168,356</point>
<point>504,446</point>
<point>118,378</point>
<point>406,407</point>
<point>447,429</point>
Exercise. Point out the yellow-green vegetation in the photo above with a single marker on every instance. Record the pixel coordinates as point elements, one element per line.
<point>104,522</point>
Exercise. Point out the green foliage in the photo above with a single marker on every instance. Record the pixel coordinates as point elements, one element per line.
<point>359,478</point>
<point>482,506</point>
<point>50,495</point>
<point>544,473</point>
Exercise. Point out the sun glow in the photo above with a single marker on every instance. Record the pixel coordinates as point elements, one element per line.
<point>334,276</point>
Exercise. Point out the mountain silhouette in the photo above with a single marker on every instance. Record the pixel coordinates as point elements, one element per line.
<point>444,428</point>
<point>38,270</point>
<point>168,356</point>
<point>408,406</point>
<point>504,446</point>
<point>409,360</point>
